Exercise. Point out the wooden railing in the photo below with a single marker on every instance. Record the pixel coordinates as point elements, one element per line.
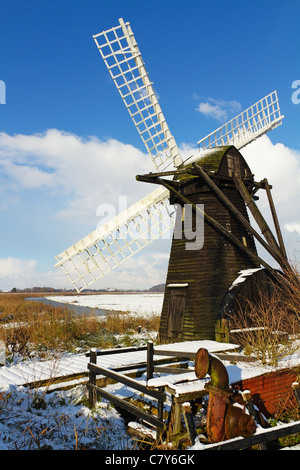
<point>118,375</point>
<point>261,437</point>
<point>96,391</point>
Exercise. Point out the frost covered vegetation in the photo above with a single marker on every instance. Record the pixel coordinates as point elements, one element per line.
<point>269,326</point>
<point>61,420</point>
<point>30,328</point>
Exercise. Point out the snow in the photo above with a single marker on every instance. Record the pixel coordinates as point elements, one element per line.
<point>243,276</point>
<point>140,304</point>
<point>188,387</point>
<point>62,420</point>
<point>170,379</point>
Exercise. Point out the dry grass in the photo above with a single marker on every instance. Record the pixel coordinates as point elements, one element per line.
<point>269,328</point>
<point>29,327</point>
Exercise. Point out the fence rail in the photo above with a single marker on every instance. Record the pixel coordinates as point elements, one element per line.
<point>95,391</point>
<point>266,435</point>
<point>118,375</point>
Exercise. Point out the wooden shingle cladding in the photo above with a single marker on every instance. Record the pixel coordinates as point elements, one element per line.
<point>209,271</point>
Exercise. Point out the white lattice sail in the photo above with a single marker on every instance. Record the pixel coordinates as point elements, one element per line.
<point>123,59</point>
<point>240,131</point>
<point>123,236</point>
<point>152,217</point>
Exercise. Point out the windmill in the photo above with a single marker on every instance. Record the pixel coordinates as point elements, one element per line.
<point>217,177</point>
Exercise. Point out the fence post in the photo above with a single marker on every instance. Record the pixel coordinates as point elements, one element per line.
<point>250,407</point>
<point>150,367</point>
<point>92,378</point>
<point>222,331</point>
<point>296,390</point>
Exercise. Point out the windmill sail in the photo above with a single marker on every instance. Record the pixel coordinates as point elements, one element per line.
<point>152,217</point>
<point>105,249</point>
<point>123,59</point>
<point>255,121</point>
<point>111,244</point>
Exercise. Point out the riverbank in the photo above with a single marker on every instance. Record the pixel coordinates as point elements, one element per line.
<point>77,309</point>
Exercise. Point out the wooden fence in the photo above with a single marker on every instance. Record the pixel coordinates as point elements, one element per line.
<point>96,391</point>
<point>118,375</point>
<point>262,437</point>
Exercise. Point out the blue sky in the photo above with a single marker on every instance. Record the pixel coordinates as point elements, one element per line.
<point>67,143</point>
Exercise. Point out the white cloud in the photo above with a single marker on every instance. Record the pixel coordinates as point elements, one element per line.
<point>141,272</point>
<point>87,172</point>
<point>22,273</point>
<point>80,174</point>
<point>281,166</point>
<point>219,109</point>
<point>144,270</point>
<point>293,227</point>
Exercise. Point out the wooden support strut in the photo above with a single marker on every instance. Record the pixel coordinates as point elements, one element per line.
<point>274,215</point>
<point>266,231</point>
<point>211,221</point>
<point>236,213</point>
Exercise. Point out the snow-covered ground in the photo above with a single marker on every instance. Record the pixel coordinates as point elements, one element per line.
<point>139,304</point>
<point>61,420</point>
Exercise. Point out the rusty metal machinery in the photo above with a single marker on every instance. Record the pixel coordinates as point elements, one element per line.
<point>226,415</point>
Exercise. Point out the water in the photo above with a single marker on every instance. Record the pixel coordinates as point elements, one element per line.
<point>77,309</point>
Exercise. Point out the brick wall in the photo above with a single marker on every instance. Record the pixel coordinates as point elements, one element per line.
<point>272,392</point>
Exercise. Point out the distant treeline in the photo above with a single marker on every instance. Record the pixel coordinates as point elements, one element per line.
<point>37,290</point>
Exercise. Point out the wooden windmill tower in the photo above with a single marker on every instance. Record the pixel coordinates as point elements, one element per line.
<point>216,183</point>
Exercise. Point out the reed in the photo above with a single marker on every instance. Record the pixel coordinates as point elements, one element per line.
<point>28,328</point>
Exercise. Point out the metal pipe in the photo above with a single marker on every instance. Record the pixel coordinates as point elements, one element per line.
<point>218,392</point>
<point>225,417</point>
<point>205,364</point>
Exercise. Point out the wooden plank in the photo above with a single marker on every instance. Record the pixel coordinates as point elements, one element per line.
<point>129,407</point>
<point>136,385</point>
<point>169,370</point>
<point>189,422</point>
<point>234,357</point>
<point>266,435</point>
<point>181,354</point>
<point>104,352</point>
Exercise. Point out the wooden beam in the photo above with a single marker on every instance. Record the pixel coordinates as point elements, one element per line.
<point>129,407</point>
<point>261,222</point>
<point>275,218</point>
<point>222,230</point>
<point>266,435</point>
<point>150,365</point>
<point>236,213</point>
<point>105,352</point>
<point>135,384</point>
